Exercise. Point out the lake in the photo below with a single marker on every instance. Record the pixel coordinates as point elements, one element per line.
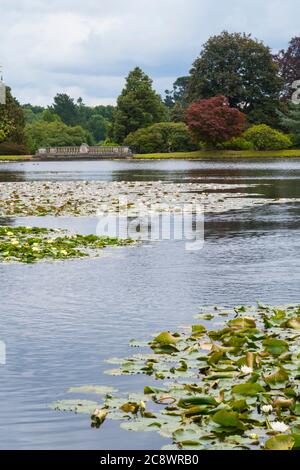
<point>60,321</point>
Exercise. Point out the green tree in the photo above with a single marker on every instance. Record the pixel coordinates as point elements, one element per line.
<point>240,68</point>
<point>161,137</point>
<point>54,134</point>
<point>98,126</point>
<point>138,106</point>
<point>178,94</point>
<point>11,114</point>
<point>66,109</point>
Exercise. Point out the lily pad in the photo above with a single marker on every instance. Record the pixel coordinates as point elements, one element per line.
<point>280,442</point>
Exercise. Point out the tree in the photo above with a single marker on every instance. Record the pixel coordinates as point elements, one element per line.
<point>289,66</point>
<point>239,67</point>
<point>213,120</point>
<point>161,137</point>
<point>138,106</point>
<point>98,126</point>
<point>178,94</point>
<point>54,134</point>
<point>12,118</point>
<point>66,109</point>
<point>291,121</point>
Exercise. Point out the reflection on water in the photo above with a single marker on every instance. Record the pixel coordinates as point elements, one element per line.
<point>60,321</point>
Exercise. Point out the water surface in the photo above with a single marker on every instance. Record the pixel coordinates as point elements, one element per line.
<point>60,321</point>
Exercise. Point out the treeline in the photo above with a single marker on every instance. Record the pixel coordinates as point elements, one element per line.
<point>237,95</point>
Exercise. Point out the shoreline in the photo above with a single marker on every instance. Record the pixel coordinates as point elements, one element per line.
<point>197,155</point>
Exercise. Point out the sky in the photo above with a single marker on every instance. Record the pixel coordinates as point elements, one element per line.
<point>86,48</point>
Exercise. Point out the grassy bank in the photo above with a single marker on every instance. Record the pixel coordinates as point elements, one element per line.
<point>15,157</point>
<point>203,154</point>
<point>198,155</point>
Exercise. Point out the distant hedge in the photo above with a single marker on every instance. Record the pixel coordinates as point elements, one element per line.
<point>10,148</point>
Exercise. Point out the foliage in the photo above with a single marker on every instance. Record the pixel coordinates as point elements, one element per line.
<point>6,127</point>
<point>178,94</point>
<point>291,121</point>
<point>222,388</point>
<point>96,120</point>
<point>289,66</point>
<point>109,143</point>
<point>239,67</point>
<point>161,137</point>
<point>138,106</point>
<point>237,143</point>
<point>66,109</point>
<point>28,245</point>
<point>213,120</point>
<point>10,148</point>
<point>264,137</point>
<point>98,127</point>
<point>12,120</point>
<point>54,134</point>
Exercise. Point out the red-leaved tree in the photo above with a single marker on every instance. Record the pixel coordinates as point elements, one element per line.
<point>214,121</point>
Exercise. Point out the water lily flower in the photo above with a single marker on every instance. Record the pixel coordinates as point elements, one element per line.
<point>15,242</point>
<point>246,370</point>
<point>254,436</point>
<point>278,426</point>
<point>35,248</point>
<point>64,252</point>
<point>267,409</point>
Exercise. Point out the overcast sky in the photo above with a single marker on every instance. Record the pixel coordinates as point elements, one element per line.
<point>87,47</point>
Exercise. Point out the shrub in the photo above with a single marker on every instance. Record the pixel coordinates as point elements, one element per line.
<point>237,143</point>
<point>213,120</point>
<point>263,137</point>
<point>161,137</point>
<point>10,148</point>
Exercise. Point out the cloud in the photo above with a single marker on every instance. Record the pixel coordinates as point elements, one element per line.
<point>86,48</point>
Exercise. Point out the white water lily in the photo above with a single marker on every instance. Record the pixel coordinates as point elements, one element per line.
<point>278,426</point>
<point>15,242</point>
<point>246,370</point>
<point>267,409</point>
<point>35,248</point>
<point>64,252</point>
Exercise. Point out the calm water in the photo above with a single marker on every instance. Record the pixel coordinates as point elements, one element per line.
<point>60,321</point>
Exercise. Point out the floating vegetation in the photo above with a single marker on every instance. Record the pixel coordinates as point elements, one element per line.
<point>32,244</point>
<point>234,387</point>
<point>82,198</point>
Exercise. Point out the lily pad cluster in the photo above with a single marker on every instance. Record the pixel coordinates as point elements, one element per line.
<point>32,244</point>
<point>235,386</point>
<point>82,198</point>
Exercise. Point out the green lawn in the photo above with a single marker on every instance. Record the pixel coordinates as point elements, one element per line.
<point>202,154</point>
<point>15,157</point>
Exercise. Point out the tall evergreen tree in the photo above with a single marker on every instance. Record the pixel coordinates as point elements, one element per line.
<point>66,109</point>
<point>138,106</point>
